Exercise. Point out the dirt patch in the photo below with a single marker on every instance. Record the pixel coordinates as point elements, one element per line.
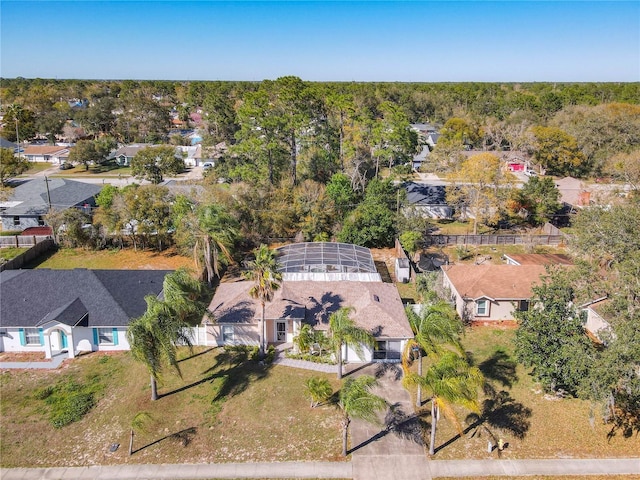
<point>385,260</point>
<point>22,357</point>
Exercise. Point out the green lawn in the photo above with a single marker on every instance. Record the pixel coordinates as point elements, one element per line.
<point>220,411</point>
<point>533,424</point>
<point>9,253</point>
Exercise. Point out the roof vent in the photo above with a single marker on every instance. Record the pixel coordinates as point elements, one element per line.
<point>376,298</point>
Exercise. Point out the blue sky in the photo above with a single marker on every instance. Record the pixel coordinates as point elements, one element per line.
<point>412,41</point>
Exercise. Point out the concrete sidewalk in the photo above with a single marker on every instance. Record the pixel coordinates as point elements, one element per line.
<point>367,467</point>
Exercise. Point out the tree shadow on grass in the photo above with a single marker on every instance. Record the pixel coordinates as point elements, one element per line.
<point>499,409</point>
<point>196,355</point>
<point>500,367</point>
<point>232,373</point>
<point>183,437</point>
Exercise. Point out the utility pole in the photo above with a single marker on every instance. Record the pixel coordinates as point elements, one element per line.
<point>46,182</point>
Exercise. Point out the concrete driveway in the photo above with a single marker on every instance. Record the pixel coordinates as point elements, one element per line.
<point>395,448</point>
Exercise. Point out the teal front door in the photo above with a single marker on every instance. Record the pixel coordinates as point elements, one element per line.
<point>63,340</point>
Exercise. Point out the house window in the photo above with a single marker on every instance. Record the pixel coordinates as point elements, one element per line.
<point>32,336</point>
<point>16,221</point>
<point>227,333</point>
<point>523,306</point>
<point>387,350</point>
<point>105,336</point>
<point>380,351</point>
<point>41,221</point>
<point>482,308</point>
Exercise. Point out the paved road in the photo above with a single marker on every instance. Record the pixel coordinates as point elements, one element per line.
<point>386,467</point>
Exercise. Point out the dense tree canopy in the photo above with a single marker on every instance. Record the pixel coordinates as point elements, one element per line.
<point>11,165</point>
<point>153,163</point>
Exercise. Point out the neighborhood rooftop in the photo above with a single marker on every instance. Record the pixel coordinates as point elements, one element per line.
<point>100,298</point>
<point>494,281</point>
<point>31,198</point>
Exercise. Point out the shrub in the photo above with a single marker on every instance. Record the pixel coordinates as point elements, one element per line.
<point>319,390</point>
<point>270,355</point>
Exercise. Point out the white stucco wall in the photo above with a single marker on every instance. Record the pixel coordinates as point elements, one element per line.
<point>10,342</point>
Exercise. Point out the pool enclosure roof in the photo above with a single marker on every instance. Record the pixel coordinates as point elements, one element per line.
<point>326,260</point>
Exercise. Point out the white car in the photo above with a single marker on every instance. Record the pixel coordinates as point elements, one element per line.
<point>207,165</point>
<point>530,173</point>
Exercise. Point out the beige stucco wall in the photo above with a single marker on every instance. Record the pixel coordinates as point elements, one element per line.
<point>244,334</point>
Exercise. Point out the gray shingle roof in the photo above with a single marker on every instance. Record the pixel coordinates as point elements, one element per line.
<point>64,193</point>
<point>423,194</point>
<point>111,298</point>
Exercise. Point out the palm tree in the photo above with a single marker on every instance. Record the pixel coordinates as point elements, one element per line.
<point>357,401</point>
<point>319,390</point>
<point>153,339</point>
<point>344,331</point>
<point>451,381</point>
<point>138,423</point>
<point>263,271</point>
<point>183,293</point>
<point>436,329</point>
<point>216,232</point>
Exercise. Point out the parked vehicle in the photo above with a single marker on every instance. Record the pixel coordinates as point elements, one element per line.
<point>530,173</point>
<point>65,166</point>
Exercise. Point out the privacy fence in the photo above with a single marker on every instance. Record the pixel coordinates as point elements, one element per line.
<point>449,240</point>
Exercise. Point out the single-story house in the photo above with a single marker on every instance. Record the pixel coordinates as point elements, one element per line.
<point>192,155</point>
<point>4,143</point>
<point>429,199</point>
<point>123,155</point>
<point>594,318</point>
<point>377,308</point>
<point>490,294</point>
<point>46,153</point>
<point>573,192</point>
<point>78,310</point>
<point>31,201</point>
<point>420,158</point>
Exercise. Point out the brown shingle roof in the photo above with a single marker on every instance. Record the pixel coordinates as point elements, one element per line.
<point>378,307</point>
<point>43,150</point>
<point>499,282</point>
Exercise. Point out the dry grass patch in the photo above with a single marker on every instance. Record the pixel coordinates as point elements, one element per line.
<point>534,425</point>
<point>221,411</point>
<point>115,259</point>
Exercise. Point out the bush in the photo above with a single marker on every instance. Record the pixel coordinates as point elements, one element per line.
<point>254,353</point>
<point>318,390</point>
<point>270,355</point>
<point>328,358</point>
